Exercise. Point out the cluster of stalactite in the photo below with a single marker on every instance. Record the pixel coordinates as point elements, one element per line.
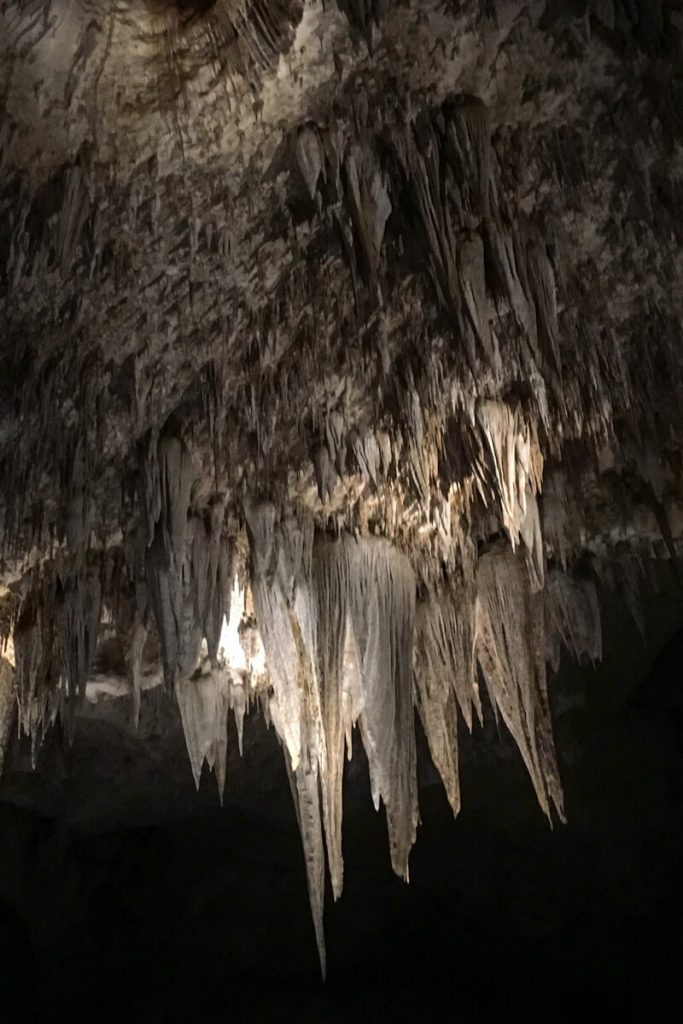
<point>417,358</point>
<point>353,633</point>
<point>175,39</point>
<point>458,317</point>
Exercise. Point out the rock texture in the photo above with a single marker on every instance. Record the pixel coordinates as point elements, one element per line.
<point>366,314</point>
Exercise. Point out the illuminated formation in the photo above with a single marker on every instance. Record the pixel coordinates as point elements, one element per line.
<point>342,366</point>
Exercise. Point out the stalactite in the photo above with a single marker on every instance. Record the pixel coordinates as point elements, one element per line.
<point>81,595</point>
<point>304,785</point>
<point>134,655</point>
<point>275,621</point>
<point>370,207</point>
<point>542,285</point>
<point>333,628</point>
<point>572,618</point>
<point>204,704</point>
<point>7,708</point>
<point>167,475</point>
<point>38,648</point>
<point>367,454</point>
<point>336,619</point>
<point>382,608</point>
<point>419,154</point>
<point>445,645</point>
<point>518,473</point>
<point>324,473</point>
<point>467,145</point>
<point>310,156</point>
<point>210,571</point>
<point>72,217</point>
<point>436,703</point>
<point>561,520</point>
<point>508,279</point>
<point>510,646</point>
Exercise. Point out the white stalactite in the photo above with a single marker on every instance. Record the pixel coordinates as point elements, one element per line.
<point>510,645</point>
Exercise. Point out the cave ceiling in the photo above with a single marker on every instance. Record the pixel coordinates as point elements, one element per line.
<point>341,369</point>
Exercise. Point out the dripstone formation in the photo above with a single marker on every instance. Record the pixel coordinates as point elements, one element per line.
<point>342,366</point>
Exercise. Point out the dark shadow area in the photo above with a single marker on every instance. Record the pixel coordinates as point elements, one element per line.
<point>201,913</point>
